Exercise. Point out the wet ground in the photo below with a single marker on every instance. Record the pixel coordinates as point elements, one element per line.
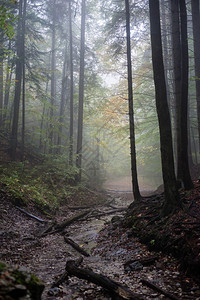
<point>109,249</point>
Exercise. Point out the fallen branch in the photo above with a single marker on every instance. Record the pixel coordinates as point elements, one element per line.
<point>48,229</point>
<point>60,227</point>
<point>64,276</point>
<point>114,207</point>
<point>31,216</point>
<point>158,289</point>
<point>69,221</point>
<point>76,246</point>
<point>113,287</point>
<point>110,212</point>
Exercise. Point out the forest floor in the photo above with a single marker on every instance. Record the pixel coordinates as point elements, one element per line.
<point>115,251</point>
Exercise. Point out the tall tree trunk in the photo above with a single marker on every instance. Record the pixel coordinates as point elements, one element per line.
<point>62,102</point>
<point>81,93</point>
<point>169,179</point>
<point>9,72</point>
<point>176,50</point>
<point>185,174</point>
<point>196,37</point>
<point>53,68</point>
<point>18,79</point>
<point>135,185</point>
<point>1,76</point>
<point>71,131</point>
<point>23,81</point>
<point>165,48</point>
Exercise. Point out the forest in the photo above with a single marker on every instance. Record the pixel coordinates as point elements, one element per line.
<point>99,149</point>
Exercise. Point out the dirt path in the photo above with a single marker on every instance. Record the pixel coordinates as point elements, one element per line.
<point>124,184</point>
<point>109,249</point>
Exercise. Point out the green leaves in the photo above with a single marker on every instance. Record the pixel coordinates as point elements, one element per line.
<point>6,20</point>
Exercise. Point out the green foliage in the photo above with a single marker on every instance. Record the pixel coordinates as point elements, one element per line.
<point>46,185</point>
<point>6,20</point>
<point>152,242</point>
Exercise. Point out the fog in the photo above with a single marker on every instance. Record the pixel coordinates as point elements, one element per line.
<point>64,87</point>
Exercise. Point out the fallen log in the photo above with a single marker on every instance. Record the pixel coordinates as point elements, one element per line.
<point>76,246</point>
<point>64,276</point>
<point>158,289</point>
<point>30,215</point>
<point>113,287</point>
<point>48,229</point>
<point>60,227</point>
<point>110,212</point>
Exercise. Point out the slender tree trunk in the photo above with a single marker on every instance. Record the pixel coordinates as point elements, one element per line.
<point>194,146</point>
<point>9,72</point>
<point>42,126</point>
<point>62,102</point>
<point>169,179</point>
<point>196,37</point>
<point>176,50</point>
<point>165,49</point>
<point>81,93</point>
<point>186,178</point>
<point>18,79</point>
<point>1,77</point>
<point>71,131</point>
<point>53,83</point>
<point>135,185</point>
<point>23,81</point>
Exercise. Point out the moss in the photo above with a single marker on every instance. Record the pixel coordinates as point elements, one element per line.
<point>35,286</point>
<point>32,283</point>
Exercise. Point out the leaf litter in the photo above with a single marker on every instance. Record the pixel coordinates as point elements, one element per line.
<point>110,246</point>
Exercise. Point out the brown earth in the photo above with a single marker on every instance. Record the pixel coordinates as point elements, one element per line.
<point>110,249</point>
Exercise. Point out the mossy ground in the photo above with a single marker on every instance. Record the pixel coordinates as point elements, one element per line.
<point>18,282</point>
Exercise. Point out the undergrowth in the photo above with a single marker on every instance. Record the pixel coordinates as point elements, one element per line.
<point>47,185</point>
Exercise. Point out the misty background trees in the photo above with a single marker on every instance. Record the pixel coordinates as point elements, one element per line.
<point>64,95</point>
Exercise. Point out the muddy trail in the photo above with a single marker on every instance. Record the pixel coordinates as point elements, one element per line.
<point>109,246</point>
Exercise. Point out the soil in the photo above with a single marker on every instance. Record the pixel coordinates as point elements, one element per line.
<point>110,247</point>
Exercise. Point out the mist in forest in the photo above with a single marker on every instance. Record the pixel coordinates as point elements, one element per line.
<point>65,87</point>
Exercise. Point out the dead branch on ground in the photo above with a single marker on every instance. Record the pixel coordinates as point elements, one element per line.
<point>76,246</point>
<point>113,287</point>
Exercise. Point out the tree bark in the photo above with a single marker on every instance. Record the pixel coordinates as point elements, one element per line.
<point>18,80</point>
<point>136,191</point>
<point>9,72</point>
<point>53,84</point>
<point>166,55</point>
<point>1,76</point>
<point>62,102</point>
<point>23,79</point>
<point>71,130</point>
<point>185,174</point>
<point>81,93</point>
<point>176,50</point>
<point>196,37</point>
<point>169,179</point>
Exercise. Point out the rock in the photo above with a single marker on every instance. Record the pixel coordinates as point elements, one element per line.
<point>18,283</point>
<point>136,266</point>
